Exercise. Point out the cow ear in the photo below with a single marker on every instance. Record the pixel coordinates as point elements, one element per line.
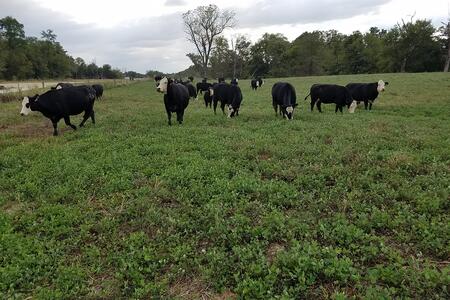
<point>27,105</point>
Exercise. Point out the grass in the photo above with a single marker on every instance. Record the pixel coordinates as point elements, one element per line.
<point>324,206</point>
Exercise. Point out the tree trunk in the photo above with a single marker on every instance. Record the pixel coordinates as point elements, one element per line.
<point>403,67</point>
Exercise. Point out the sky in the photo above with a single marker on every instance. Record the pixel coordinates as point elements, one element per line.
<point>142,35</point>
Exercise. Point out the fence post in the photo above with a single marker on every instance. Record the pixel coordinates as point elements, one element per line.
<point>43,84</point>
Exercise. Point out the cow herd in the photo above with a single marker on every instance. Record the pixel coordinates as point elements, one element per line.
<point>64,100</point>
<point>284,99</point>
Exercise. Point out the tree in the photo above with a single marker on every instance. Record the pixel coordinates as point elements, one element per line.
<point>222,58</point>
<point>445,34</point>
<point>269,55</point>
<point>307,54</point>
<point>203,25</point>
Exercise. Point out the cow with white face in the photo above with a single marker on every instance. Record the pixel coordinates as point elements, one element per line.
<point>229,95</point>
<point>366,92</point>
<point>284,97</point>
<point>256,83</point>
<point>176,98</point>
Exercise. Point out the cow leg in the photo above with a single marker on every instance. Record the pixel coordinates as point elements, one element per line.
<point>180,116</point>
<point>55,125</point>
<point>215,106</point>
<point>93,117</point>
<point>86,116</point>
<point>275,107</point>
<point>365,104</point>
<point>222,106</point>
<point>340,108</point>
<point>67,121</point>
<point>370,106</point>
<point>313,102</point>
<point>319,106</point>
<point>336,109</point>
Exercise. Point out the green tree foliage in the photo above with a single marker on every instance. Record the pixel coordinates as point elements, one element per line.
<point>24,57</point>
<point>269,55</point>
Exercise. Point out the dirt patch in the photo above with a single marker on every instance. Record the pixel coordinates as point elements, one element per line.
<point>264,155</point>
<point>328,140</point>
<point>378,127</point>
<point>273,250</point>
<point>12,207</point>
<point>398,160</point>
<point>30,130</point>
<point>192,288</point>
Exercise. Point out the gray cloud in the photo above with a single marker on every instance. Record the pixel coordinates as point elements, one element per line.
<point>269,12</point>
<point>175,3</point>
<point>151,43</point>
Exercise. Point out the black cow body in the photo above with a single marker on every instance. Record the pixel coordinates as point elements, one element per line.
<point>284,97</point>
<point>329,93</point>
<point>191,89</point>
<point>256,83</point>
<point>203,87</point>
<point>366,92</point>
<point>98,90</point>
<point>228,95</point>
<point>63,103</point>
<point>176,99</point>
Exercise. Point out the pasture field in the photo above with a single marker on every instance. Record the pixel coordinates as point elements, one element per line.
<point>257,207</point>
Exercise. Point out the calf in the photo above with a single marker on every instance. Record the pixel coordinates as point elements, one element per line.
<point>61,104</point>
<point>203,86</point>
<point>229,95</point>
<point>176,98</point>
<point>284,96</point>
<point>330,93</point>
<point>256,83</point>
<point>98,90</point>
<point>366,92</point>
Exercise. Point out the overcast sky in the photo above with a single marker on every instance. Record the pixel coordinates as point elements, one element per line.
<point>146,35</point>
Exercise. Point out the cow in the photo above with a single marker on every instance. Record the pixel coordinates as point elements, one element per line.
<point>203,86</point>
<point>191,88</point>
<point>284,96</point>
<point>208,98</point>
<point>235,81</point>
<point>98,90</point>
<point>61,104</point>
<point>366,92</point>
<point>229,95</point>
<point>221,80</point>
<point>176,98</point>
<point>330,93</point>
<point>61,85</point>
<point>256,83</point>
<point>191,78</point>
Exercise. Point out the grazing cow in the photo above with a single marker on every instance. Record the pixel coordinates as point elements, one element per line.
<point>330,93</point>
<point>256,83</point>
<point>157,79</point>
<point>176,98</point>
<point>208,98</point>
<point>366,92</point>
<point>98,90</point>
<point>61,104</point>
<point>284,96</point>
<point>229,95</point>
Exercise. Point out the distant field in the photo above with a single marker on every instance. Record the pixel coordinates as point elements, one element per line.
<point>324,206</point>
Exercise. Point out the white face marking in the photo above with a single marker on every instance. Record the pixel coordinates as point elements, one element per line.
<point>289,109</point>
<point>162,86</point>
<point>230,111</point>
<point>257,83</point>
<point>211,92</point>
<point>25,110</point>
<point>380,87</point>
<point>59,87</point>
<point>352,107</point>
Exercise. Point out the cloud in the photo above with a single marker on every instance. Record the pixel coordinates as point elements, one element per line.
<point>175,3</point>
<point>156,43</point>
<point>282,12</point>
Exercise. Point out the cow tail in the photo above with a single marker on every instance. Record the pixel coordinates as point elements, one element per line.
<point>307,96</point>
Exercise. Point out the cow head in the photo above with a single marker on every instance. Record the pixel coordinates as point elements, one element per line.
<point>211,91</point>
<point>381,86</point>
<point>157,79</point>
<point>162,86</point>
<point>288,111</point>
<point>352,107</point>
<point>26,104</point>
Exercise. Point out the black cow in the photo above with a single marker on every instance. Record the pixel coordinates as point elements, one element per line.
<point>98,90</point>
<point>256,83</point>
<point>191,89</point>
<point>191,78</point>
<point>229,95</point>
<point>235,81</point>
<point>62,85</point>
<point>208,98</point>
<point>221,80</point>
<point>176,98</point>
<point>203,86</point>
<point>61,104</point>
<point>366,92</point>
<point>330,93</point>
<point>284,96</point>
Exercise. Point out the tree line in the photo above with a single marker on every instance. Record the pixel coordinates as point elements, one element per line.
<point>409,46</point>
<point>23,57</point>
